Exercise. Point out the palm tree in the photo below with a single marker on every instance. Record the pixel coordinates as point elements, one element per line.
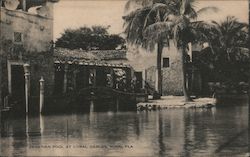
<point>155,22</point>
<point>229,38</point>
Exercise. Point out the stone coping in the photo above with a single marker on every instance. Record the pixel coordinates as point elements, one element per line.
<point>167,102</point>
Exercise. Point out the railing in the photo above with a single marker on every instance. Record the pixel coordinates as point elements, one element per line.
<point>108,89</point>
<point>149,89</point>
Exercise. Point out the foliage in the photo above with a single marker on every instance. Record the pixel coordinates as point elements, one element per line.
<point>230,54</point>
<point>230,39</point>
<point>94,38</point>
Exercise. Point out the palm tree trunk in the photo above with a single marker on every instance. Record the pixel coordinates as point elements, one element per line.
<point>184,72</point>
<point>159,72</point>
<point>249,112</point>
<point>249,89</point>
<point>1,105</point>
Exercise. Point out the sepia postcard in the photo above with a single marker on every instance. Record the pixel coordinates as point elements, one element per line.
<point>124,78</point>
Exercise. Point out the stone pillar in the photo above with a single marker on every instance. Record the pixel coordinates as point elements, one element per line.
<point>92,77</point>
<point>41,102</point>
<point>1,104</point>
<point>249,113</point>
<point>50,9</point>
<point>91,108</point>
<point>65,80</point>
<point>132,73</point>
<point>24,5</point>
<point>190,51</point>
<point>27,85</point>
<point>156,80</point>
<point>144,77</point>
<point>117,104</point>
<point>111,79</point>
<point>74,79</point>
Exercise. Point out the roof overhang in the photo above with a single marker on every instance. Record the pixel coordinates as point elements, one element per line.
<point>92,64</point>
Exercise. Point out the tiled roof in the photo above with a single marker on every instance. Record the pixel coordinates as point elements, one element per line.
<point>67,54</point>
<point>97,58</point>
<point>109,54</point>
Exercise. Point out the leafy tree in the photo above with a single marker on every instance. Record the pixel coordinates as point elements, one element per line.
<point>155,22</point>
<point>94,38</point>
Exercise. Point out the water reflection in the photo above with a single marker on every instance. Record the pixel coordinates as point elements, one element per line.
<point>177,132</point>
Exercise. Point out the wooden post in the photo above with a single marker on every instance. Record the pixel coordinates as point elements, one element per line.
<point>248,114</point>
<point>65,78</point>
<point>74,79</point>
<point>92,77</point>
<point>144,77</point>
<point>27,85</point>
<point>156,80</point>
<point>112,77</point>
<point>190,51</point>
<point>117,104</point>
<point>94,71</point>
<point>41,123</point>
<point>41,104</point>
<point>91,108</point>
<point>1,104</point>
<point>27,126</point>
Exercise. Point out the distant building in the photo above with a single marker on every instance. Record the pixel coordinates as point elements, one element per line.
<point>144,64</point>
<point>79,69</point>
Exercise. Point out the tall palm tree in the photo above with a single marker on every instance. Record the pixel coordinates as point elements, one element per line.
<point>229,38</point>
<point>155,22</point>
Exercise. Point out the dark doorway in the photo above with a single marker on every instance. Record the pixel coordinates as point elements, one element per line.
<point>17,87</point>
<point>59,79</point>
<point>101,76</point>
<point>138,76</point>
<point>82,78</point>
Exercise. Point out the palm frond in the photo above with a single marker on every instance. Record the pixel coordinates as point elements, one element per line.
<point>202,30</point>
<point>134,25</point>
<point>157,13</point>
<point>207,10</point>
<point>192,14</point>
<point>229,37</point>
<point>135,4</point>
<point>186,6</point>
<point>157,32</point>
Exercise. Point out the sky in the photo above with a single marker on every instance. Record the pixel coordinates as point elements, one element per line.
<point>77,13</point>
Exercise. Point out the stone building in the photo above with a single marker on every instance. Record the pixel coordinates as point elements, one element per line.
<point>144,64</point>
<point>26,39</point>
